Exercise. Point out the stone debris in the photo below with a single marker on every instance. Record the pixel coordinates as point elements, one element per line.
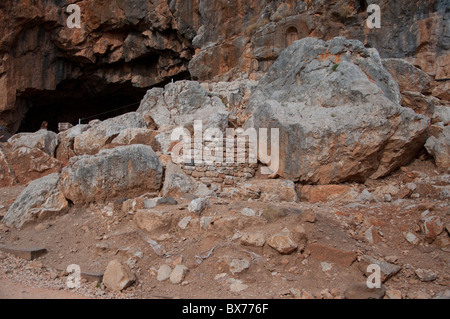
<point>426,275</point>
<point>198,205</point>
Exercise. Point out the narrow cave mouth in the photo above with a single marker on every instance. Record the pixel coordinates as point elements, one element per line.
<point>81,101</point>
<point>77,101</point>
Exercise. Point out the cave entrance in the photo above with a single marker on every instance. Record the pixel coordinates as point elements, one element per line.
<point>74,100</point>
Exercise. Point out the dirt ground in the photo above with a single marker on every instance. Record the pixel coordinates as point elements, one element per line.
<point>91,238</point>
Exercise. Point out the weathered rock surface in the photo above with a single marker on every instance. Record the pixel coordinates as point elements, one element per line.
<point>178,184</point>
<point>42,198</point>
<point>118,276</point>
<point>198,205</point>
<point>338,111</point>
<point>408,77</point>
<point>43,140</point>
<point>124,171</point>
<point>388,270</point>
<point>282,243</point>
<point>438,145</point>
<point>274,190</point>
<point>178,274</point>
<point>361,291</point>
<point>94,139</point>
<point>66,139</point>
<point>255,239</point>
<point>182,103</point>
<point>153,221</point>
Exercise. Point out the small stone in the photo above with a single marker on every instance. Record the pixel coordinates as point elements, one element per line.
<point>205,222</point>
<point>391,259</point>
<point>394,294</point>
<point>118,276</point>
<point>295,293</point>
<point>220,276</point>
<point>184,222</point>
<point>178,274</point>
<point>237,266</point>
<point>361,291</point>
<point>387,270</point>
<point>282,243</point>
<point>443,295</point>
<point>198,205</point>
<point>411,238</point>
<point>433,227</point>
<point>425,275</point>
<point>152,203</point>
<point>365,197</point>
<point>248,212</point>
<point>177,261</point>
<point>309,216</point>
<point>326,294</point>
<point>326,266</point>
<point>164,273</point>
<point>372,236</point>
<point>256,239</point>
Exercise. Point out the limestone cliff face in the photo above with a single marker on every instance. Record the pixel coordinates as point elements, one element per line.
<point>128,44</point>
<point>133,42</point>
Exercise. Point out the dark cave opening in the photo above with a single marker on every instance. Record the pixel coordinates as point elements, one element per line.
<point>84,100</point>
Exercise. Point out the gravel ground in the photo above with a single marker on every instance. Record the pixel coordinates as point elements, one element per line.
<point>30,279</point>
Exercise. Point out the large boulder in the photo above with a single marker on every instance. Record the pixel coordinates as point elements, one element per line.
<point>182,103</point>
<point>98,136</point>
<point>338,111</point>
<point>43,140</point>
<point>42,198</point>
<point>125,171</point>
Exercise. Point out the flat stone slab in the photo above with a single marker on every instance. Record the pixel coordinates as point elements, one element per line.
<point>92,277</point>
<point>27,254</point>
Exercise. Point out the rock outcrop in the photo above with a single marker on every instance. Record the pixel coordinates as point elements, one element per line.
<point>338,111</point>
